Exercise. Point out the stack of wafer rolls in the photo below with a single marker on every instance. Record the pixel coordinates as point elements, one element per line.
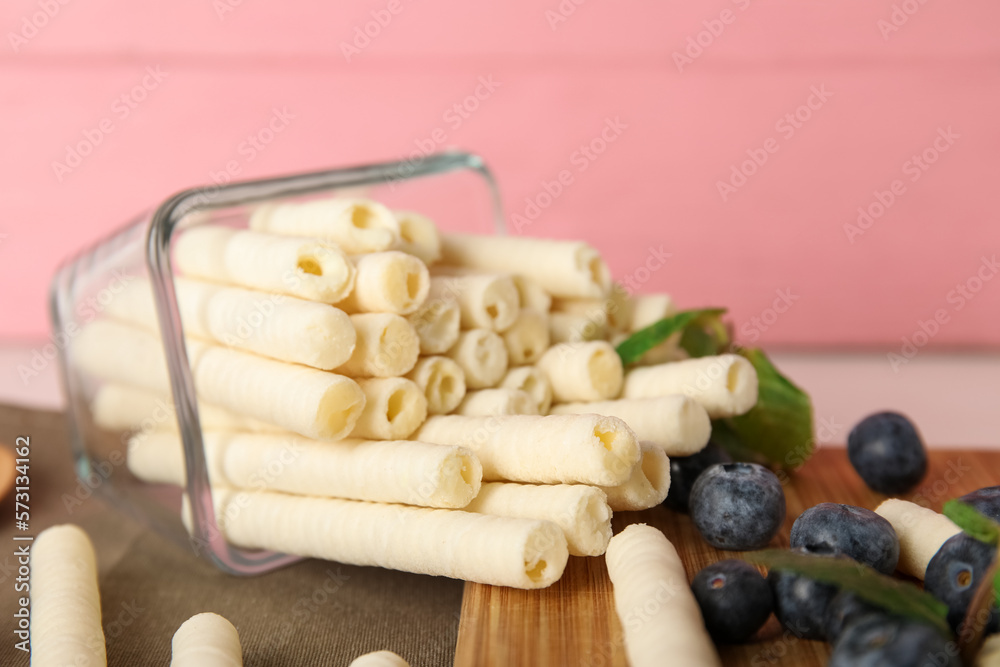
<point>366,383</point>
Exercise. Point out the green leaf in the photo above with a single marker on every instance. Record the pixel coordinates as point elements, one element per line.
<point>705,337</point>
<point>639,343</point>
<point>969,519</point>
<point>896,596</point>
<point>780,426</point>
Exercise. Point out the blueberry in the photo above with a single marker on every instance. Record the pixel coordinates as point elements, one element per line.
<point>879,640</point>
<point>855,531</point>
<point>801,603</point>
<point>986,500</point>
<point>684,470</point>
<point>954,574</point>
<point>737,505</point>
<point>887,452</point>
<point>846,608</point>
<point>735,600</point>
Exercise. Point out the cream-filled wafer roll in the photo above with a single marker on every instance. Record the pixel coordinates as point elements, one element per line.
<point>532,381</point>
<point>356,225</point>
<point>571,449</point>
<point>521,553</point>
<point>437,324</point>
<point>314,403</point>
<point>589,371</point>
<point>649,309</point>
<point>485,301</point>
<point>725,385</point>
<point>379,659</point>
<point>676,424</point>
<point>647,486</point>
<point>527,338</point>
<point>659,615</point>
<point>486,402</point>
<point>614,312</point>
<point>119,407</point>
<point>390,471</point>
<point>273,325</point>
<point>65,626</point>
<point>394,408</point>
<point>206,640</point>
<point>387,346</point>
<point>300,267</point>
<point>387,282</point>
<point>581,511</point>
<point>482,356</point>
<point>921,533</point>
<point>531,294</point>
<point>418,236</point>
<point>573,328</point>
<point>561,268</point>
<point>442,381</point>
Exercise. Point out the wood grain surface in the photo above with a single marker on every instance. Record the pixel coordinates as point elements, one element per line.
<point>573,622</point>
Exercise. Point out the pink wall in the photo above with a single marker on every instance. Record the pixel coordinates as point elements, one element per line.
<point>559,83</point>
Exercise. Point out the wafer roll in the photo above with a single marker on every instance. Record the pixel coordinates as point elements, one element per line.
<point>676,424</point>
<point>442,381</point>
<point>613,312</point>
<point>206,640</point>
<point>379,659</point>
<point>532,381</point>
<point>437,323</point>
<point>574,328</point>
<point>531,295</point>
<point>527,338</point>
<point>485,301</point>
<point>394,408</point>
<point>486,402</point>
<point>725,385</point>
<point>501,551</point>
<point>921,533</point>
<point>65,626</point>
<point>648,485</point>
<point>387,346</point>
<point>304,268</point>
<point>583,371</point>
<point>418,236</point>
<point>562,268</point>
<point>649,309</point>
<point>584,449</point>
<point>482,356</point>
<point>391,471</point>
<point>356,225</point>
<point>387,282</point>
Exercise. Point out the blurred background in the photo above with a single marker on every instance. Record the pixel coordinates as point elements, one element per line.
<point>825,170</point>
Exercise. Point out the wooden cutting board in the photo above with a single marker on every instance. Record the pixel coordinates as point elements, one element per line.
<point>573,622</point>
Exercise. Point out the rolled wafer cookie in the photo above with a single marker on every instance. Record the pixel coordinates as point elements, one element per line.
<point>725,385</point>
<point>486,402</point>
<point>413,473</point>
<point>581,511</point>
<point>356,225</point>
<point>418,236</point>
<point>65,626</point>
<point>273,325</point>
<point>658,613</point>
<point>394,408</point>
<point>531,294</point>
<point>647,486</point>
<point>482,356</point>
<point>532,381</point>
<point>574,328</point>
<point>387,282</point>
<point>387,346</point>
<point>314,403</point>
<point>379,659</point>
<point>485,301</point>
<point>300,267</point>
<point>206,640</point>
<point>572,449</point>
<point>676,424</point>
<point>437,324</point>
<point>921,533</point>
<point>561,268</point>
<point>442,381</point>
<point>613,312</point>
<point>589,371</point>
<point>648,309</point>
<point>501,551</point>
<point>527,338</point>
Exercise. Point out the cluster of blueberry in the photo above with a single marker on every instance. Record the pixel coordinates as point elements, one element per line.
<point>741,506</point>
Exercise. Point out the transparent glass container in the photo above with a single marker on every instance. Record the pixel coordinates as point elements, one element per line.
<point>454,189</point>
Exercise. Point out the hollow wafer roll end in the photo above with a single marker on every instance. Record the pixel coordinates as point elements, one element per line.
<point>648,484</point>
<point>419,236</point>
<point>394,408</point>
<point>589,371</point>
<point>442,381</point>
<point>437,324</point>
